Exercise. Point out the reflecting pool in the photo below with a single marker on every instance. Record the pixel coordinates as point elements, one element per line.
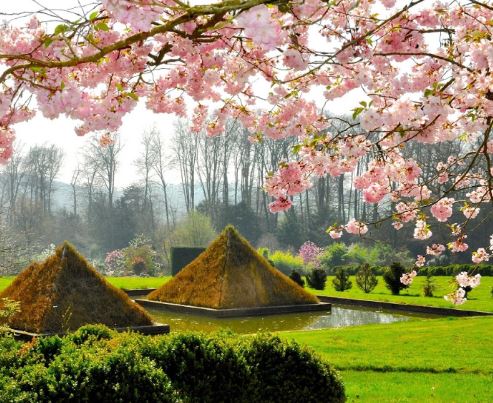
<point>341,316</point>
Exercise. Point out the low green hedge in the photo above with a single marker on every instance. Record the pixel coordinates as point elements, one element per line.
<point>97,364</point>
<point>448,270</point>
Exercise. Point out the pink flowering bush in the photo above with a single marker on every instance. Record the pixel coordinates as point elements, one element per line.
<point>310,253</point>
<point>115,263</point>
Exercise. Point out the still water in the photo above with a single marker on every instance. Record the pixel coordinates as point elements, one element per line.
<point>341,316</point>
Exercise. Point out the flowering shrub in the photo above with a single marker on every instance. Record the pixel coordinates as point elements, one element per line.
<point>310,252</point>
<point>114,263</point>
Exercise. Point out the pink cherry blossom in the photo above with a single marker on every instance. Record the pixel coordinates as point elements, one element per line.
<point>442,210</point>
<point>261,27</point>
<point>422,230</point>
<point>480,256</point>
<point>436,249</point>
<point>407,278</point>
<point>457,297</point>
<point>356,227</point>
<point>420,261</point>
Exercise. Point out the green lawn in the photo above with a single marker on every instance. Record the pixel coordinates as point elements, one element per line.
<point>480,299</point>
<point>122,282</point>
<point>437,360</point>
<point>138,282</point>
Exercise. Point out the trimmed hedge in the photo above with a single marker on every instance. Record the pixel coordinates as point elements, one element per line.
<point>181,256</point>
<point>448,270</point>
<point>98,364</point>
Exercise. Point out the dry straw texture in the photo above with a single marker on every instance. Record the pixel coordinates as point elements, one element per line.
<point>65,292</point>
<point>231,274</point>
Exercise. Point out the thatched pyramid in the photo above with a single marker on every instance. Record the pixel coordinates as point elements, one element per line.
<point>231,274</point>
<point>65,292</point>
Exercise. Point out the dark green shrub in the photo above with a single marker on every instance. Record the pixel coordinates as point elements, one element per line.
<point>285,372</point>
<point>366,279</point>
<point>182,256</point>
<point>316,279</point>
<point>205,369</point>
<point>92,365</point>
<point>429,286</point>
<point>101,371</point>
<point>341,280</point>
<point>48,347</point>
<point>91,333</point>
<point>138,265</point>
<point>296,277</point>
<point>392,278</point>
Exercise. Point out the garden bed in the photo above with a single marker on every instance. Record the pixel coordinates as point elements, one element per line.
<point>234,312</point>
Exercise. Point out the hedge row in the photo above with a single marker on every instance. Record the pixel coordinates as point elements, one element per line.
<point>448,270</point>
<point>97,364</point>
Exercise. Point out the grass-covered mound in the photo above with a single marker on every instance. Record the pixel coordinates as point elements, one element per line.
<point>96,364</point>
<point>231,274</point>
<point>65,292</point>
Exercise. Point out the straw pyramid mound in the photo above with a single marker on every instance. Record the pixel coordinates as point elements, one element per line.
<point>231,274</point>
<point>65,292</point>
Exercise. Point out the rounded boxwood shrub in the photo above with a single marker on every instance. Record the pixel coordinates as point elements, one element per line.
<point>204,368</point>
<point>96,364</point>
<point>286,372</point>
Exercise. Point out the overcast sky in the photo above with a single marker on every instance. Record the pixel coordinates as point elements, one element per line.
<point>61,131</point>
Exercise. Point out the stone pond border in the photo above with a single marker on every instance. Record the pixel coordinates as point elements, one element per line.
<point>393,306</point>
<point>234,312</point>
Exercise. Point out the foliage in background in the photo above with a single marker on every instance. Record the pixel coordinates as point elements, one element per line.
<point>366,279</point>
<point>285,261</point>
<point>194,230</point>
<point>341,280</point>
<point>379,254</point>
<point>392,277</point>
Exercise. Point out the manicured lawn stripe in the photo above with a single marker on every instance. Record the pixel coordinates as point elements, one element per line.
<point>480,299</point>
<point>412,387</point>
<point>433,360</point>
<point>451,345</point>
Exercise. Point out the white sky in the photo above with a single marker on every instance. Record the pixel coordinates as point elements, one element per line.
<point>40,130</point>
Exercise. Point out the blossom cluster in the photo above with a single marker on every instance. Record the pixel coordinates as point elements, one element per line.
<point>202,62</point>
<point>309,252</point>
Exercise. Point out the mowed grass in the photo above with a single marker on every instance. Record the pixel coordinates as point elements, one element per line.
<point>480,299</point>
<point>122,282</point>
<point>434,360</point>
<point>138,282</point>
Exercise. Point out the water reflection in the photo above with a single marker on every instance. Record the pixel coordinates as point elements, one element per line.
<point>341,316</point>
